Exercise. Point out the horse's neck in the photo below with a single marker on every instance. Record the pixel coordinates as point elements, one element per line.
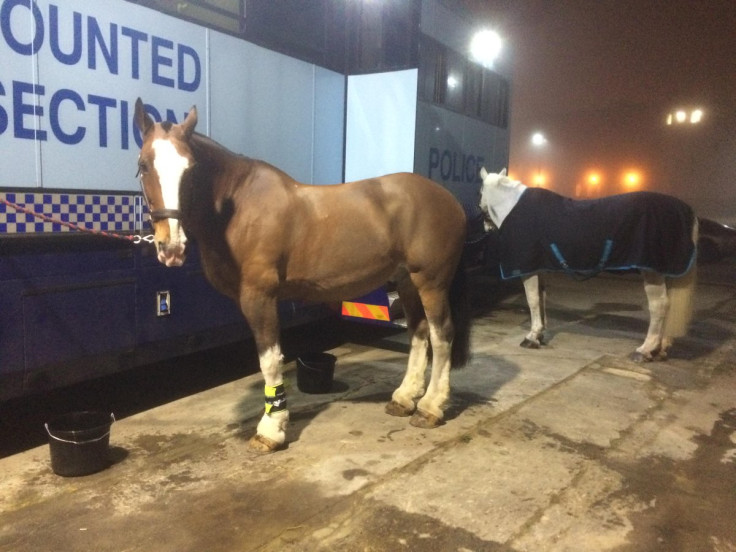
<point>210,152</point>
<point>217,166</point>
<point>502,209</point>
<point>207,184</point>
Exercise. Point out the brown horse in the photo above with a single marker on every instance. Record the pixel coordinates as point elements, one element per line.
<point>264,237</point>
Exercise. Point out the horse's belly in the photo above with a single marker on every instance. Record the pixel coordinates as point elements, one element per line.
<point>336,282</point>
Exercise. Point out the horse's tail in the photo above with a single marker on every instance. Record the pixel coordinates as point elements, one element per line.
<point>460,312</point>
<point>681,292</point>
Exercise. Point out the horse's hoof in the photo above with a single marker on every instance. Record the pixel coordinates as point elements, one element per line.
<point>395,409</point>
<point>639,358</point>
<point>661,356</point>
<point>529,344</point>
<point>425,420</point>
<point>264,445</point>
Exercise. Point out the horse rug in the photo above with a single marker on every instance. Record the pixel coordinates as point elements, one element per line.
<point>640,230</point>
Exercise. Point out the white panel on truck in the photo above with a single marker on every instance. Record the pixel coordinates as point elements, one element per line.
<point>273,107</point>
<point>89,62</point>
<point>381,119</point>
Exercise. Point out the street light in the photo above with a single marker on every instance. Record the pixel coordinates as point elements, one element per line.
<point>538,142</point>
<point>538,139</point>
<point>632,179</point>
<point>594,181</point>
<point>485,46</point>
<point>685,116</point>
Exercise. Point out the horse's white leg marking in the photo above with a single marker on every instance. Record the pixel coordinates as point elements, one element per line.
<point>170,166</point>
<point>273,424</point>
<point>413,384</point>
<point>260,311</point>
<point>542,304</point>
<point>656,291</point>
<point>536,308</point>
<point>681,292</point>
<point>438,390</point>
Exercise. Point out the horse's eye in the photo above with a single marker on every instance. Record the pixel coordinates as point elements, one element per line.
<point>142,168</point>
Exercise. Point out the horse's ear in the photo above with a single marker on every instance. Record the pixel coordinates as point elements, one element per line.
<point>503,172</point>
<point>142,119</point>
<point>483,173</point>
<point>190,122</point>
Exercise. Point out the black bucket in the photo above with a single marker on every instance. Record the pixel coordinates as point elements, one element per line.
<point>314,372</point>
<point>79,442</point>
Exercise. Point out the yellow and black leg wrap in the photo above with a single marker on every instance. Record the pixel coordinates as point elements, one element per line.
<point>275,398</point>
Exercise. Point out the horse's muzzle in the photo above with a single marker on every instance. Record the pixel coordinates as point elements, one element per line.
<point>171,255</point>
<point>169,237</point>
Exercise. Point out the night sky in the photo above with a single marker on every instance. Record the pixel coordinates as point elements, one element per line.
<point>598,78</point>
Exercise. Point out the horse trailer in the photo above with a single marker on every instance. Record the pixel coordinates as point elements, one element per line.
<point>325,90</point>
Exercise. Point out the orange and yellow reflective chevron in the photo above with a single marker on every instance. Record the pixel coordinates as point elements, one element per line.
<point>363,310</point>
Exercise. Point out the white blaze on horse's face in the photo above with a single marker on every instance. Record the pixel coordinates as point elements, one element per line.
<point>170,166</point>
<point>165,157</point>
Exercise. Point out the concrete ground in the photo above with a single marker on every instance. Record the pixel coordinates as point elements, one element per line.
<point>569,448</point>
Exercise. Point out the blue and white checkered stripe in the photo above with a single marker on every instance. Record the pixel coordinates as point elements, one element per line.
<point>108,213</point>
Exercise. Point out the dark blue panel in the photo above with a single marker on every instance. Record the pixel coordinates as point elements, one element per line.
<point>376,297</point>
<point>11,337</point>
<point>75,322</point>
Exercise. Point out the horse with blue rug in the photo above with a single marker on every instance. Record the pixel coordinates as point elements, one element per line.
<point>541,231</point>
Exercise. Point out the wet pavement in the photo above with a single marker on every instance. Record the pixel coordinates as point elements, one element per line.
<point>569,448</point>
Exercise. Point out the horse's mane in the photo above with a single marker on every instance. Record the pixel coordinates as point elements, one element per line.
<point>206,150</point>
<point>202,141</point>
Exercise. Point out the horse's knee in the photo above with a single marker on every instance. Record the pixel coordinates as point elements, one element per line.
<point>441,334</point>
<point>420,329</point>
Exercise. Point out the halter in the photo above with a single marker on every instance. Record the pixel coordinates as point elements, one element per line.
<point>161,214</point>
<point>156,214</point>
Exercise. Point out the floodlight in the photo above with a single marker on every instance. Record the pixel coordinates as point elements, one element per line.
<point>485,47</point>
<point>538,139</point>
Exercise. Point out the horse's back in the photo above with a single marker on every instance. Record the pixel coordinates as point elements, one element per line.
<point>639,230</point>
<point>409,204</point>
<point>346,239</point>
<point>425,196</point>
<point>425,213</point>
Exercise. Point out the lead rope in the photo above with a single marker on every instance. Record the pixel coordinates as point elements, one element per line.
<point>135,238</point>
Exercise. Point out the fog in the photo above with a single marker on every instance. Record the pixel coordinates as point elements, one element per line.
<point>599,79</point>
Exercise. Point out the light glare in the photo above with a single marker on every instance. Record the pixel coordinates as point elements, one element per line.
<point>681,116</point>
<point>485,46</point>
<point>632,180</point>
<point>538,139</point>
